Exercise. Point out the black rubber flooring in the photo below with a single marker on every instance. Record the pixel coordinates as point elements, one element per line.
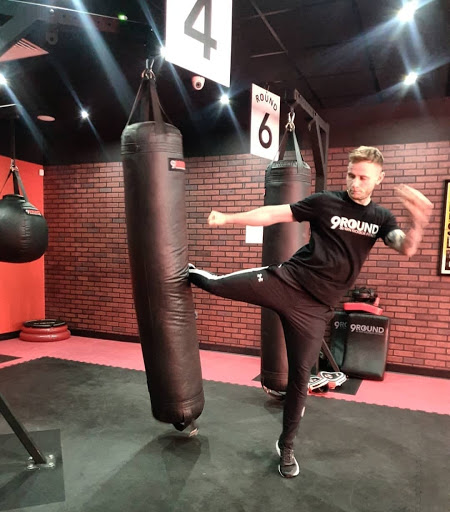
<point>116,457</point>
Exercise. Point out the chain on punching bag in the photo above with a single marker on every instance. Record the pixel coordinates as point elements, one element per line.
<point>154,181</point>
<point>23,228</point>
<point>286,181</point>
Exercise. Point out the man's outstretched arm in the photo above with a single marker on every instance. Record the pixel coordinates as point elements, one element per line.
<point>264,216</point>
<point>419,208</point>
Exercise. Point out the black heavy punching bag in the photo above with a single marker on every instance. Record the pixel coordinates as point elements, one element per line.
<point>23,229</point>
<point>154,180</point>
<point>286,181</point>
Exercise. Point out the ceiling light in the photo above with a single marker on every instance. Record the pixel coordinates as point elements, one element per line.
<point>162,52</point>
<point>3,80</point>
<point>411,78</point>
<point>45,118</point>
<point>84,114</point>
<point>225,99</point>
<point>406,13</point>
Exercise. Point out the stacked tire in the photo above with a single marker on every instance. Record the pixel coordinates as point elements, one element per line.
<point>44,330</point>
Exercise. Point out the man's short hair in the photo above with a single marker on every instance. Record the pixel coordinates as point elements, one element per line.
<point>366,154</point>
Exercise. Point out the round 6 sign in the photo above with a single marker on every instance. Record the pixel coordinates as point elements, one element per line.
<point>198,37</point>
<point>265,123</point>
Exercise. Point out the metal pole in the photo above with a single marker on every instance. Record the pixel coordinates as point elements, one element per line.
<point>13,141</point>
<point>329,356</point>
<point>21,433</point>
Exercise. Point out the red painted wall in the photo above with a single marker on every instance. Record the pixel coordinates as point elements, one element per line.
<point>87,271</point>
<point>22,291</point>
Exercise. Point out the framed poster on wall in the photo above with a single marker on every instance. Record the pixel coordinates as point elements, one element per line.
<point>444,259</point>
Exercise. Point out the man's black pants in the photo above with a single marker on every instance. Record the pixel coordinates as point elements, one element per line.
<point>304,320</point>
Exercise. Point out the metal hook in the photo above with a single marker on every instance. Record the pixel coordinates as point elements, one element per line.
<point>290,124</point>
<point>148,71</point>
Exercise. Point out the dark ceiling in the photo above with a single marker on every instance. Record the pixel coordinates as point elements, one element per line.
<point>336,53</point>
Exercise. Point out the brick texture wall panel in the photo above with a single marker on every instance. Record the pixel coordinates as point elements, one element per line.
<point>87,273</point>
<point>88,279</point>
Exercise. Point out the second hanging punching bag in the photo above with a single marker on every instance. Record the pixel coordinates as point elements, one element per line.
<point>286,181</point>
<point>154,181</point>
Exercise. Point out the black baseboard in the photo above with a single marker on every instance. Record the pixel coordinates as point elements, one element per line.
<point>232,349</point>
<point>104,335</point>
<point>9,335</point>
<point>418,370</point>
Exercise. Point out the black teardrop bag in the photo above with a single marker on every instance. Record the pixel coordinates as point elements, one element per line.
<point>23,228</point>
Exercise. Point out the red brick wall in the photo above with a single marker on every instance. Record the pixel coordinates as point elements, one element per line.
<point>229,183</point>
<point>86,267</point>
<point>87,274</point>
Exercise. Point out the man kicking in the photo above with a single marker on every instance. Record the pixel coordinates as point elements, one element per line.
<point>304,290</point>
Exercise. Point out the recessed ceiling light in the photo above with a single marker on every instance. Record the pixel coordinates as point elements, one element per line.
<point>225,99</point>
<point>84,114</point>
<point>47,119</point>
<point>406,13</point>
<point>3,80</point>
<point>411,78</point>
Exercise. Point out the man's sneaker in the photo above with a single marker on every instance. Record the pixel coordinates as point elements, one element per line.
<point>191,266</point>
<point>288,467</point>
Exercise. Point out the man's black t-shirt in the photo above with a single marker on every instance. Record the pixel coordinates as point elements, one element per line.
<point>342,234</point>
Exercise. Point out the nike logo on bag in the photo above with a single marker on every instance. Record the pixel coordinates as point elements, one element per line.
<point>260,278</point>
<point>355,226</point>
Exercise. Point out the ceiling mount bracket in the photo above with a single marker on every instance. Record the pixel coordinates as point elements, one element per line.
<point>319,142</point>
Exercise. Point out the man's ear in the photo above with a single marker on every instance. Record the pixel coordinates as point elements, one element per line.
<point>380,177</point>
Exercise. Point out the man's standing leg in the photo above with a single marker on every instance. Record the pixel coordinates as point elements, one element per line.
<point>304,327</point>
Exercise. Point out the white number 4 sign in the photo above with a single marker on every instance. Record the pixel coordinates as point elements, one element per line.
<point>198,37</point>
